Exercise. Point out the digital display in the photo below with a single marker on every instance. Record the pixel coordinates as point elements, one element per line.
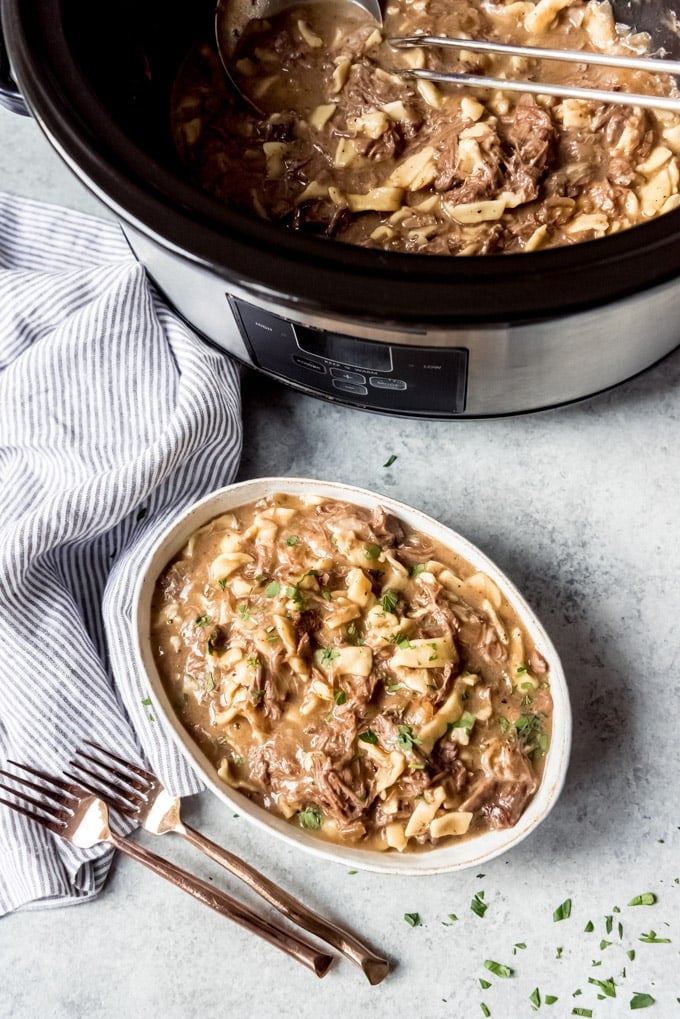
<point>372,357</point>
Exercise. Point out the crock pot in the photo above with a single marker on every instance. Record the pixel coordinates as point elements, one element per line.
<point>425,336</point>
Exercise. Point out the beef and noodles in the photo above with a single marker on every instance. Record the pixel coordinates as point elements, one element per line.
<point>351,675</point>
<point>347,149</point>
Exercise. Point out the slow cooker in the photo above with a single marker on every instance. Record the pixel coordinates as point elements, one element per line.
<point>425,336</point>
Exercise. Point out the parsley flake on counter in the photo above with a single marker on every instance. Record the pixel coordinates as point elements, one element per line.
<point>604,944</point>
<point>535,998</point>
<point>652,939</point>
<point>587,1012</point>
<point>607,986</point>
<point>640,1000</point>
<point>272,589</point>
<point>204,620</point>
<point>484,984</point>
<point>631,954</point>
<point>563,911</point>
<point>646,899</point>
<point>311,817</point>
<point>608,923</point>
<point>498,968</point>
<point>550,999</point>
<point>520,944</point>
<point>390,460</point>
<point>589,927</point>
<point>478,906</point>
<point>558,953</point>
<point>485,1009</point>
<point>412,919</point>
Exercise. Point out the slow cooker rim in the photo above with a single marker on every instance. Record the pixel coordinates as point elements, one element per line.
<point>355,279</point>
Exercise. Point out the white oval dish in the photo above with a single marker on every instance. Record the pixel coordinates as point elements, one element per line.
<point>451,856</point>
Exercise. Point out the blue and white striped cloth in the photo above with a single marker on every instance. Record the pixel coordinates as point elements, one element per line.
<point>113,416</point>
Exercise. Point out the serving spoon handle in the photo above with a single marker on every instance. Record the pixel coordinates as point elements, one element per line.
<point>374,966</point>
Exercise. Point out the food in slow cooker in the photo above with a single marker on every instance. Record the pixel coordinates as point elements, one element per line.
<point>351,675</point>
<point>349,150</point>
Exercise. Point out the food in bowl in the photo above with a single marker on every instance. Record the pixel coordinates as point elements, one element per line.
<point>351,674</point>
<point>347,149</point>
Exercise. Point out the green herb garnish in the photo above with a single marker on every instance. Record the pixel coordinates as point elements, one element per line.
<point>401,640</point>
<point>535,998</point>
<point>478,906</point>
<point>607,986</point>
<point>550,999</point>
<point>368,737</point>
<point>466,721</point>
<point>641,1000</point>
<point>311,817</point>
<point>563,911</point>
<point>412,919</point>
<point>325,655</point>
<point>292,540</point>
<point>223,583</point>
<point>204,620</point>
<point>257,695</point>
<point>390,460</point>
<point>587,1012</point>
<point>498,969</point>
<point>339,696</point>
<point>485,1009</point>
<point>389,601</point>
<point>484,984</point>
<point>646,899</point>
<point>417,569</point>
<point>589,927</point>
<point>406,738</point>
<point>372,551</point>
<point>652,939</point>
<point>272,589</point>
<point>244,612</point>
<point>147,702</point>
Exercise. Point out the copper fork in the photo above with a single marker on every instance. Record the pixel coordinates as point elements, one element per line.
<point>82,818</point>
<point>139,794</point>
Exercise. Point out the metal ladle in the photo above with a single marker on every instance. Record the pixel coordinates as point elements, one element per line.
<point>232,18</point>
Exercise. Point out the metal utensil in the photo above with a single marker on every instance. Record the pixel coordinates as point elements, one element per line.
<point>82,818</point>
<point>232,18</point>
<point>139,794</point>
<point>655,64</point>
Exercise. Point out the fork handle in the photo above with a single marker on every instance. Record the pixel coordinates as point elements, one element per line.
<point>297,948</point>
<point>374,966</point>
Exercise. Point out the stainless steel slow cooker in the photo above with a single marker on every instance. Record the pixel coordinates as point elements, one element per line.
<point>425,336</point>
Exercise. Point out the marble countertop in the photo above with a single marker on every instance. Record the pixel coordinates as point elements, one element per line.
<point>580,507</point>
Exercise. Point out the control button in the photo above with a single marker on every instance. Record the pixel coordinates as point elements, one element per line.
<point>312,366</point>
<point>380,383</point>
<point>343,376</point>
<point>350,387</point>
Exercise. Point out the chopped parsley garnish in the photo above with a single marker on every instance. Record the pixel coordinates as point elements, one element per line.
<point>589,927</point>
<point>340,697</point>
<point>204,620</point>
<point>412,919</point>
<point>478,906</point>
<point>531,736</point>
<point>641,1000</point>
<point>353,632</point>
<point>393,687</point>
<point>608,987</point>
<point>563,911</point>
<point>484,984</point>
<point>389,601</point>
<point>485,1009</point>
<point>631,954</point>
<point>587,1012</point>
<point>237,759</point>
<point>535,998</point>
<point>498,968</point>
<point>311,817</point>
<point>372,551</point>
<point>417,569</point>
<point>646,899</point>
<point>406,738</point>
<point>325,655</point>
<point>368,737</point>
<point>550,999</point>
<point>466,722</point>
<point>604,944</point>
<point>295,596</point>
<point>210,682</point>
<point>652,939</point>
<point>520,944</point>
<point>608,924</point>
<point>390,460</point>
<point>253,662</point>
<point>558,953</point>
<point>272,589</point>
<point>257,695</point>
<point>223,583</point>
<point>401,640</point>
<point>521,670</point>
<point>146,702</point>
<point>244,612</point>
<point>292,540</point>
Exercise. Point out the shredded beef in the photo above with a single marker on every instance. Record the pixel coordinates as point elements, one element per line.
<point>500,801</point>
<point>387,529</point>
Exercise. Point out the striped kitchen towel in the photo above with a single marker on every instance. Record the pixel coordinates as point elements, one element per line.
<point>113,417</point>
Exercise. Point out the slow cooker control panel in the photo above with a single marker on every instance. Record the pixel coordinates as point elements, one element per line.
<point>377,375</point>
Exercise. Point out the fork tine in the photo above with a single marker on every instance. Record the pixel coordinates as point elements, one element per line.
<point>151,779</point>
<point>39,774</point>
<point>20,780</point>
<point>138,788</point>
<point>100,787</point>
<point>52,825</point>
<point>52,819</point>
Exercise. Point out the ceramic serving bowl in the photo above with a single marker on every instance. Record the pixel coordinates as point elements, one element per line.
<point>453,855</point>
